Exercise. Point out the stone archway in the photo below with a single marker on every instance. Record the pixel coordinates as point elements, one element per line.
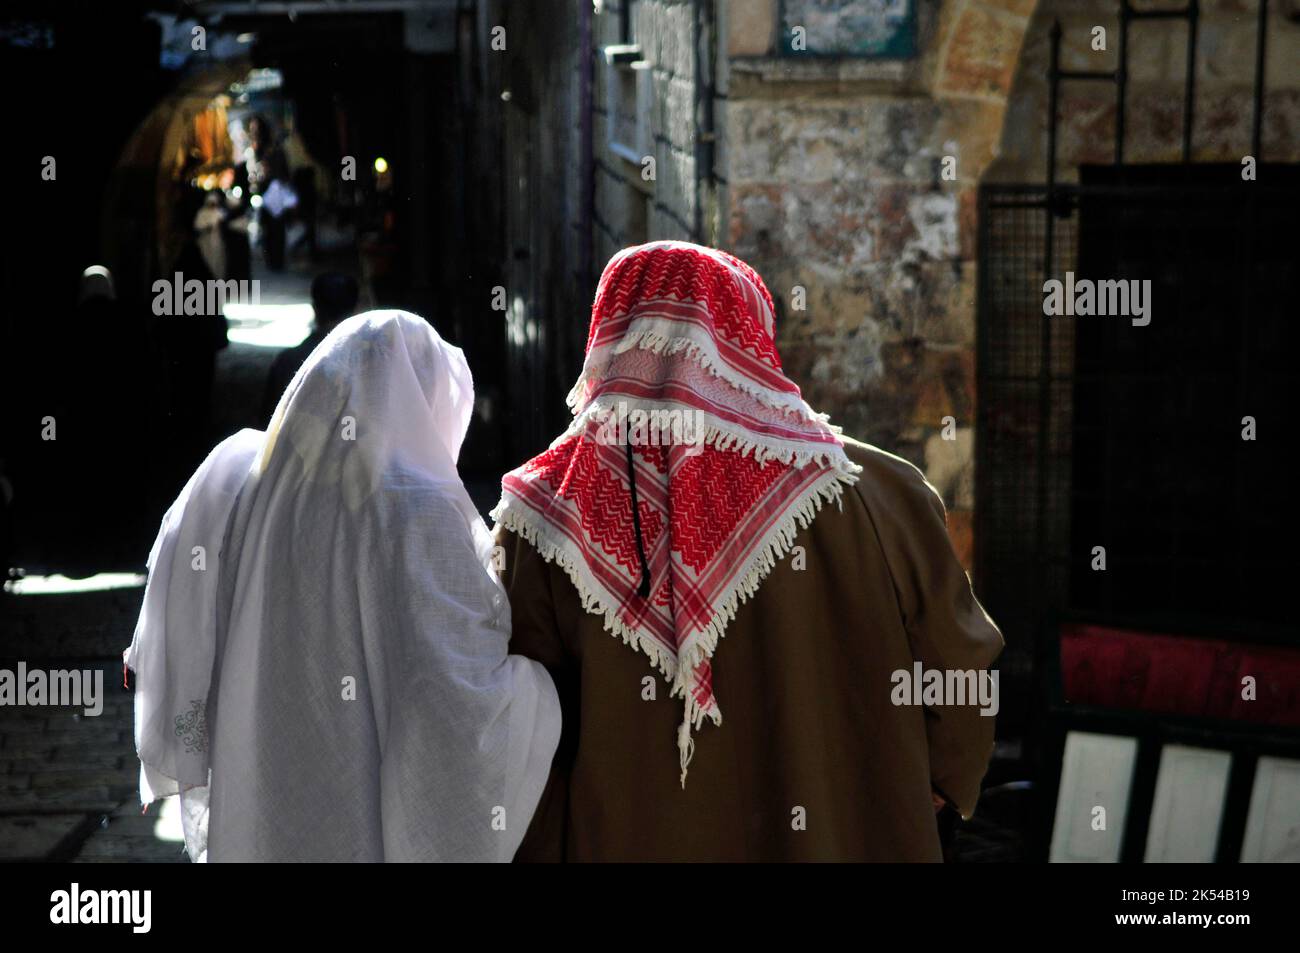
<point>135,226</point>
<point>979,45</point>
<point>833,185</point>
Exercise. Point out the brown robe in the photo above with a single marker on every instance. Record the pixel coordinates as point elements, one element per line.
<point>803,679</point>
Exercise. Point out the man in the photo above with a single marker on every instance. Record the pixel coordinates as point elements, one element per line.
<point>333,298</point>
<point>825,562</point>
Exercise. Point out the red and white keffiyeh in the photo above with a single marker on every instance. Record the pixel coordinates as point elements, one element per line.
<point>682,407</point>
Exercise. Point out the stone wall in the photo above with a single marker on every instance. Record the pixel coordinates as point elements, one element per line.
<point>629,207</point>
<point>851,183</point>
<point>531,89</point>
<point>834,184</point>
<point>1225,74</point>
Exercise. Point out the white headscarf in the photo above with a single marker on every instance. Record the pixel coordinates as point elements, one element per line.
<point>96,282</point>
<point>335,683</point>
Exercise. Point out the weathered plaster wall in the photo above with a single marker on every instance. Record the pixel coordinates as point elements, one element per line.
<point>1225,74</point>
<point>833,185</point>
<point>629,208</point>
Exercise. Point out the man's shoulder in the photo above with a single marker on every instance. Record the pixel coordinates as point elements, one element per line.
<point>887,479</point>
<point>881,465</point>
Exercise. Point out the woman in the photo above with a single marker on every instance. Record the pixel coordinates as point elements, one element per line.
<point>321,656</point>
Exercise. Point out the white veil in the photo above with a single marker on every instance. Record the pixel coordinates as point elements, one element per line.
<point>339,672</point>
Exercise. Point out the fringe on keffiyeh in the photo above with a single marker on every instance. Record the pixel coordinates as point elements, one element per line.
<point>553,547</point>
<point>721,435</point>
<point>668,337</point>
<point>700,645</point>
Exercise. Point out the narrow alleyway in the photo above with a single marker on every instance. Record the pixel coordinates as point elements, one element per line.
<point>909,180</point>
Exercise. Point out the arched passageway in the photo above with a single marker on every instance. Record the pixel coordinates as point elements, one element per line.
<point>252,157</point>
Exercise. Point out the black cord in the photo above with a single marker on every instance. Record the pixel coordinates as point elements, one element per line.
<point>644,590</point>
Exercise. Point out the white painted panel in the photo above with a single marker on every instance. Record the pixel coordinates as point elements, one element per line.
<point>1188,807</point>
<point>1096,772</point>
<point>1273,823</point>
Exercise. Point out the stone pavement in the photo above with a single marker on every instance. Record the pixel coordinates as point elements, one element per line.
<point>68,781</point>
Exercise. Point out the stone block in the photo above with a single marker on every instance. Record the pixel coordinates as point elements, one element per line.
<point>1022,8</point>
<point>813,140</point>
<point>39,800</point>
<point>971,131</point>
<point>828,225</point>
<point>950,464</point>
<point>982,53</point>
<point>32,837</point>
<point>751,27</point>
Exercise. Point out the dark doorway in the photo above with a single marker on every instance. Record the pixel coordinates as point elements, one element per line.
<point>1161,470</point>
<point>1094,431</point>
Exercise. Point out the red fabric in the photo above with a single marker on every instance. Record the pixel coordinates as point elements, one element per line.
<point>677,328</point>
<point>665,272</point>
<point>1181,675</point>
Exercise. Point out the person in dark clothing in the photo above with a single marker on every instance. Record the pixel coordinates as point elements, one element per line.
<point>239,213</point>
<point>191,343</point>
<point>697,495</point>
<point>304,186</point>
<point>333,298</point>
<point>264,164</point>
<point>81,509</point>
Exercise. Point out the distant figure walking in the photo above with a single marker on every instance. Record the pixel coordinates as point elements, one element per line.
<point>333,297</point>
<point>92,507</point>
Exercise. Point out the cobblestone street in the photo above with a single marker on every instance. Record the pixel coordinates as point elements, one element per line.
<point>68,781</point>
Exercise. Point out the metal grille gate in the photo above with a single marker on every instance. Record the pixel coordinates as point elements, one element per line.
<point>1093,432</point>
